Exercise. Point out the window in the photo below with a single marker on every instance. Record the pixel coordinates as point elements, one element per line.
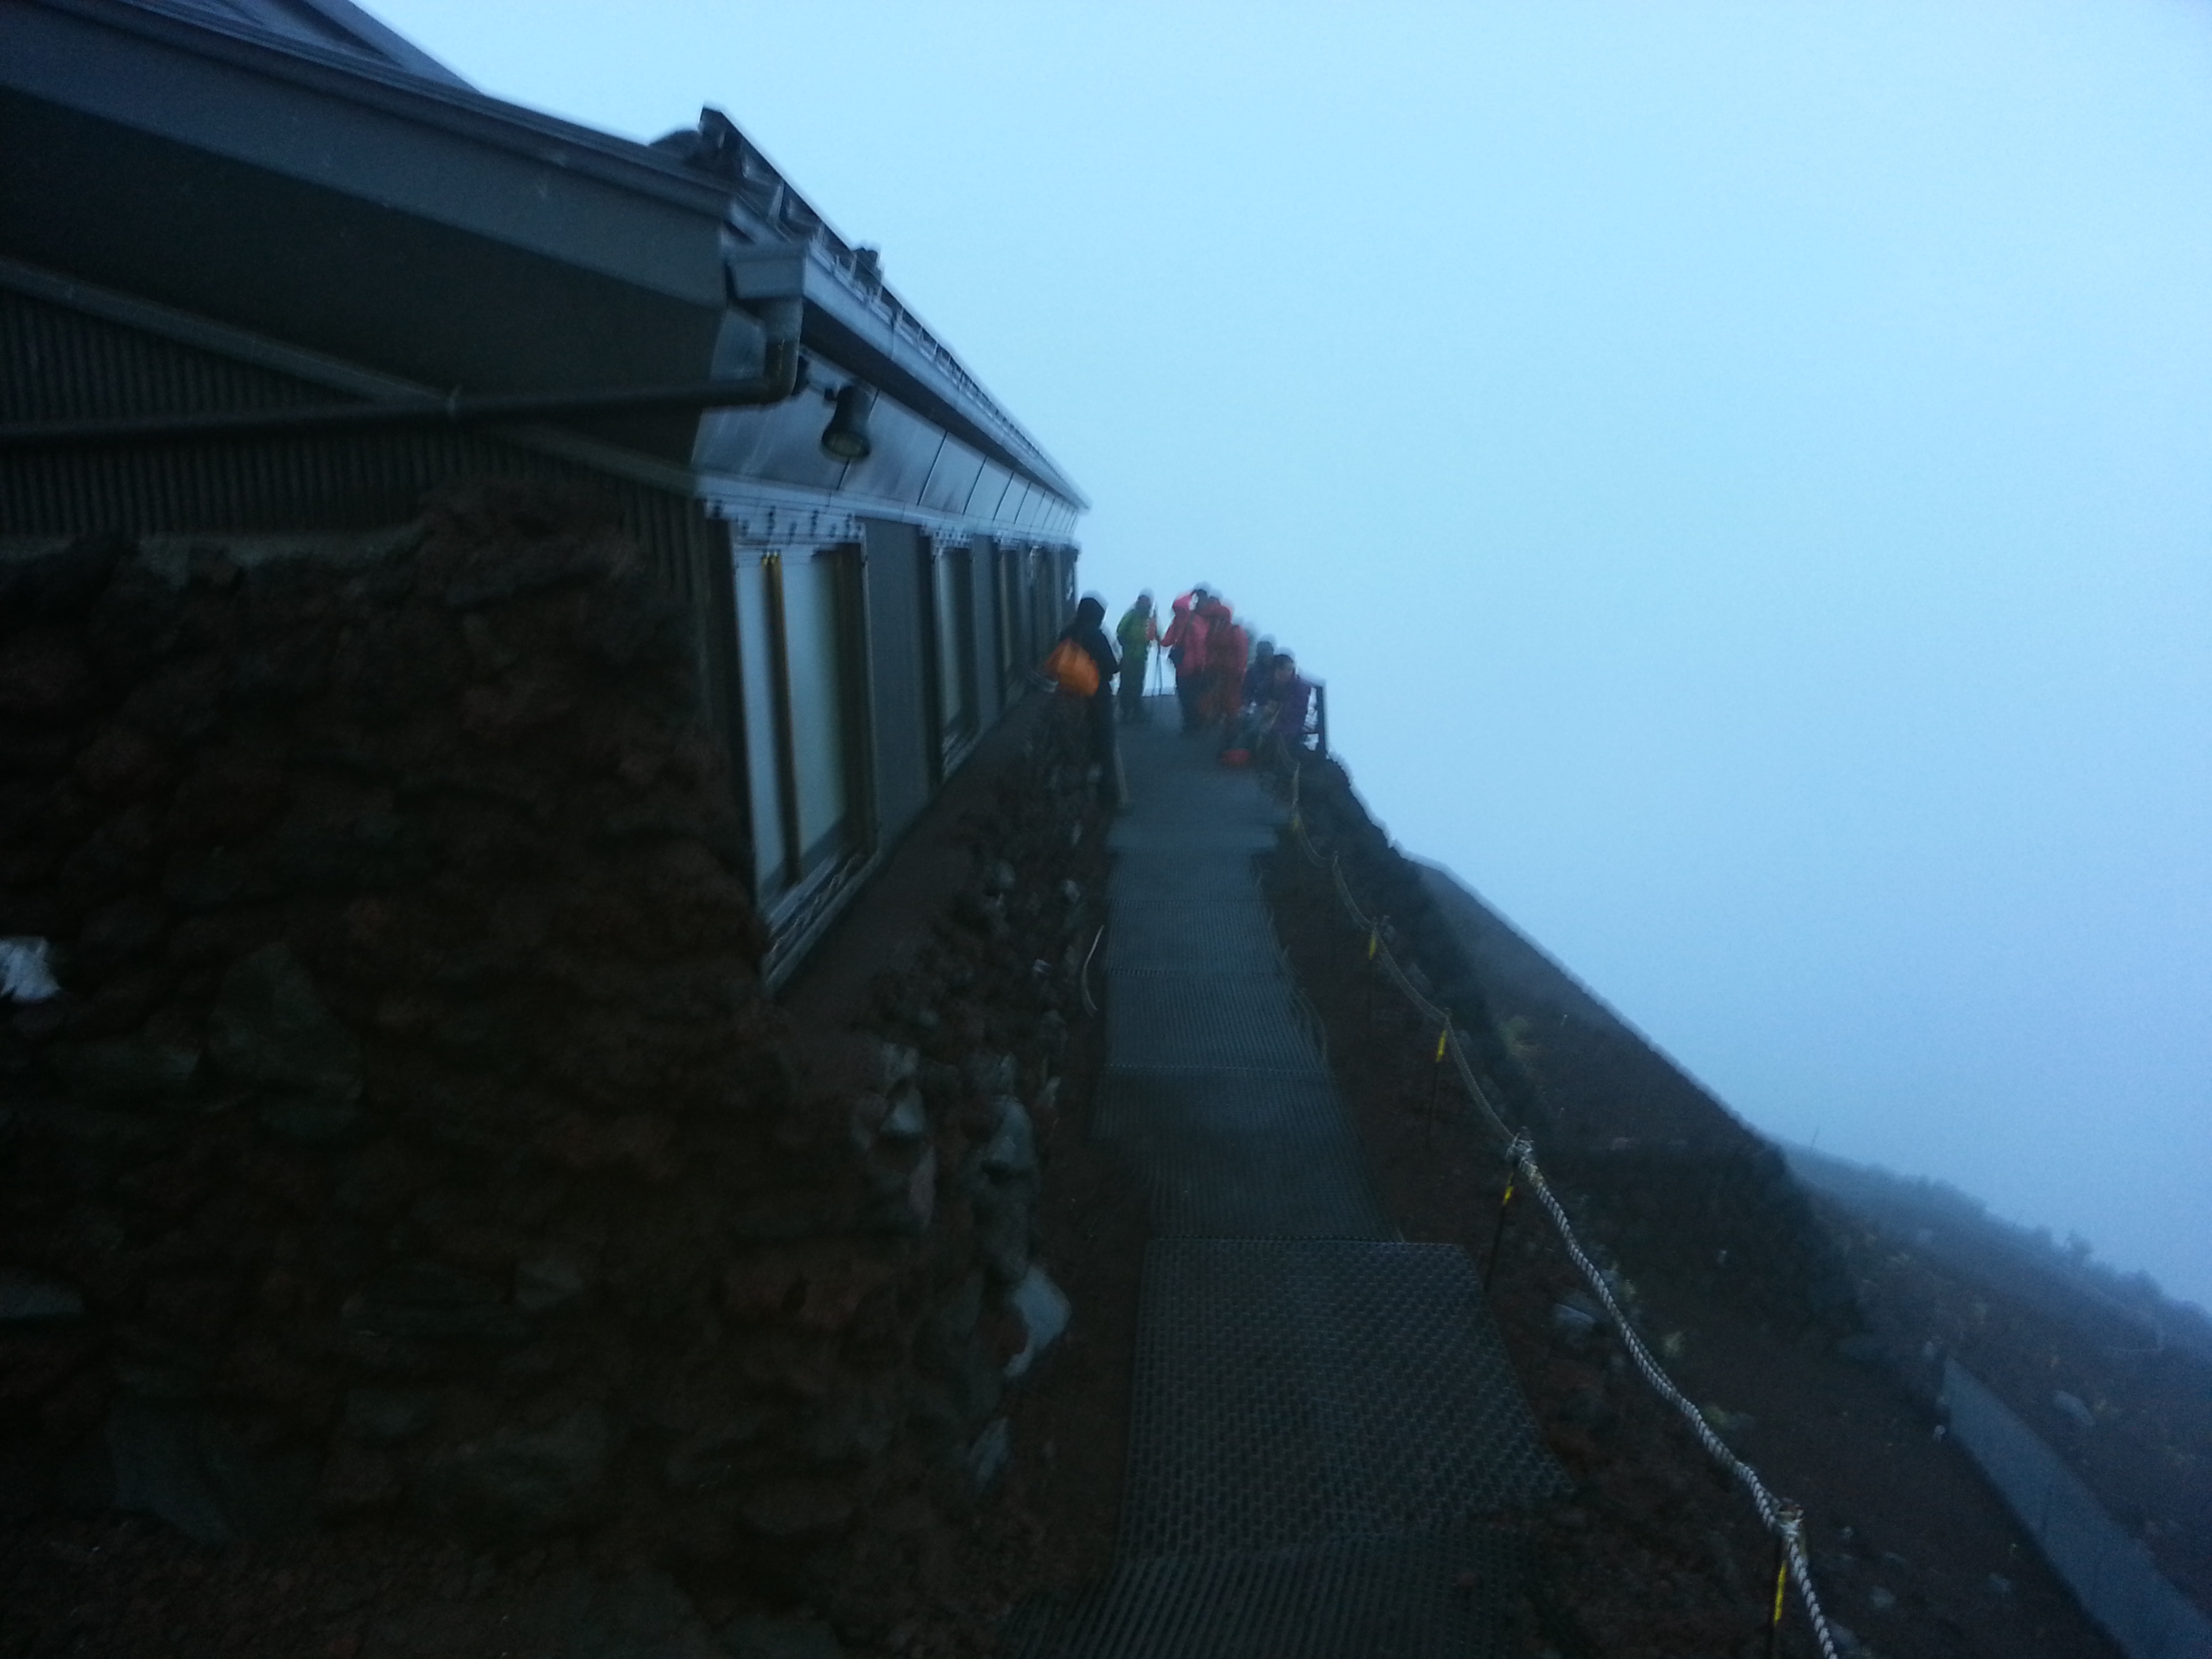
<point>796,633</point>
<point>1013,615</point>
<point>815,663</point>
<point>1048,616</point>
<point>954,632</point>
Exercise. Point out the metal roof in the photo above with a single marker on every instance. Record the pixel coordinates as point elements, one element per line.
<point>331,26</point>
<point>311,100</point>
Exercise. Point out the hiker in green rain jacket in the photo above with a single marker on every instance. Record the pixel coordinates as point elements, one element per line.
<point>1137,634</point>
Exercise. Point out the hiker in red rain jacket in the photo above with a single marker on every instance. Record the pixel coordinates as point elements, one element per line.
<point>1185,644</point>
<point>1227,651</point>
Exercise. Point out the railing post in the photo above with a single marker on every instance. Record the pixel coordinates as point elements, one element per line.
<point>1787,1523</point>
<point>1374,968</point>
<point>1437,1080</point>
<point>1497,1234</point>
<point>1321,721</point>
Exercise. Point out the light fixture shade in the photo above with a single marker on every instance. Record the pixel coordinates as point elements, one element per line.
<point>845,437</point>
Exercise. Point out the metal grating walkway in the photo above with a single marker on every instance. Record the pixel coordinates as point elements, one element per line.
<point>1322,1415</point>
<point>1230,1154</point>
<point>1239,941</point>
<point>1436,1597</point>
<point>1232,1019</point>
<point>1290,1392</point>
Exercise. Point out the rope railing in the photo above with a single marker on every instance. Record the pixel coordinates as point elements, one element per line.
<point>1782,1519</point>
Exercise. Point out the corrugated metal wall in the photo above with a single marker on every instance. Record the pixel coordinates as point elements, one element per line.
<point>61,364</point>
<point>58,363</point>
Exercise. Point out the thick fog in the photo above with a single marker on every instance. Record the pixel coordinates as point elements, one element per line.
<point>1744,472</point>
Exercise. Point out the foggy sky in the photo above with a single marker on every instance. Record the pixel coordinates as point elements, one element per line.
<point>1745,473</point>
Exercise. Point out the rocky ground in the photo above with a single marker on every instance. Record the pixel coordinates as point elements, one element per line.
<point>950,972</point>
<point>1779,1322</point>
<point>1658,1553</point>
<point>2121,1390</point>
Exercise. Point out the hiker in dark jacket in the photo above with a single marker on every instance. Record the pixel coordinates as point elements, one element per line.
<point>1292,696</point>
<point>1260,677</point>
<point>1086,632</point>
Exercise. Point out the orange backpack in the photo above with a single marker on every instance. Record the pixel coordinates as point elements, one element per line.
<point>1072,669</point>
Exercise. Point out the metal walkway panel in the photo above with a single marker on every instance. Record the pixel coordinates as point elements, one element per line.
<point>1178,783</point>
<point>1441,1596</point>
<point>1187,780</point>
<point>1255,1106</point>
<point>1127,836</point>
<point>1234,935</point>
<point>1291,1393</point>
<point>1322,1415</point>
<point>1191,875</point>
<point>1235,1156</point>
<point>1206,1021</point>
<point>1233,804</point>
<point>1196,1193</point>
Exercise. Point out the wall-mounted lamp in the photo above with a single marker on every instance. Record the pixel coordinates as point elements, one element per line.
<point>845,437</point>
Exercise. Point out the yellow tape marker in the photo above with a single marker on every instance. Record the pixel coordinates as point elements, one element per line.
<point>1374,941</point>
<point>1781,1577</point>
<point>1443,1037</point>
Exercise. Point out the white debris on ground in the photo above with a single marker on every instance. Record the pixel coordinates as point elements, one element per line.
<point>1044,1310</point>
<point>25,975</point>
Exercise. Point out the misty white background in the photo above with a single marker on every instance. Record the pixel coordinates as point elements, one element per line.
<point>1744,471</point>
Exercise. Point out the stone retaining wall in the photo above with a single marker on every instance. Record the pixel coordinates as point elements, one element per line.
<point>414,1137</point>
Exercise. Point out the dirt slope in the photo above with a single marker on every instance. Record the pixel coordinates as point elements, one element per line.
<point>1733,1275</point>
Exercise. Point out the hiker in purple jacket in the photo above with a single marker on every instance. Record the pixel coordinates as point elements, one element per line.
<point>1274,723</point>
